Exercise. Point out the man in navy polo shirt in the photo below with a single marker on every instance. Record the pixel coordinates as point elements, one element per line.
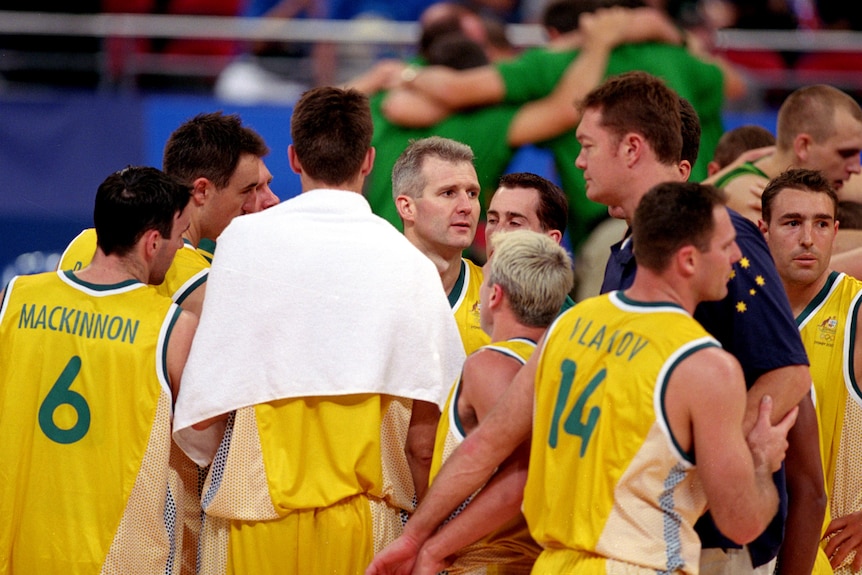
<point>632,137</point>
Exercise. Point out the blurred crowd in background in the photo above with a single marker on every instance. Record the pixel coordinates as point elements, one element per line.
<point>288,68</point>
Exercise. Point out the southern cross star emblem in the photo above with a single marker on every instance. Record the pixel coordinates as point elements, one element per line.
<point>753,281</point>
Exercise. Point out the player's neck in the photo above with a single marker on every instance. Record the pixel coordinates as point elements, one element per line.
<point>512,329</point>
<point>800,295</point>
<point>113,269</point>
<point>774,164</point>
<point>651,174</point>
<point>193,235</point>
<point>449,269</point>
<point>650,287</point>
<point>446,260</point>
<point>354,185</point>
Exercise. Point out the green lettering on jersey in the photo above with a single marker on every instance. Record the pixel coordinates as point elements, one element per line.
<point>61,394</point>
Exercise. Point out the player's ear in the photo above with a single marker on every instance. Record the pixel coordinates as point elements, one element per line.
<point>495,296</point>
<point>802,146</point>
<point>200,189</point>
<point>406,207</point>
<point>149,242</point>
<point>686,260</point>
<point>293,160</point>
<point>368,162</point>
<point>632,147</point>
<point>685,170</point>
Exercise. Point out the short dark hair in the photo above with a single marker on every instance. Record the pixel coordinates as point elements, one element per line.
<point>210,146</point>
<point>690,131</point>
<point>641,103</point>
<point>811,110</point>
<point>564,15</point>
<point>331,130</point>
<point>672,215</point>
<point>553,209</point>
<point>455,50</point>
<point>850,215</point>
<point>796,179</point>
<point>133,201</point>
<point>740,139</point>
<point>434,30</point>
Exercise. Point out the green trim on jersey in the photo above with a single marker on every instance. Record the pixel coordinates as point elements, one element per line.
<point>99,287</point>
<point>646,304</point>
<point>455,294</point>
<point>850,345</point>
<point>688,455</point>
<point>745,169</point>
<point>819,298</point>
<point>190,289</point>
<point>173,322</point>
<point>207,248</point>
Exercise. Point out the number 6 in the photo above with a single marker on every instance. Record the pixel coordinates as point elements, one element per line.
<point>60,394</point>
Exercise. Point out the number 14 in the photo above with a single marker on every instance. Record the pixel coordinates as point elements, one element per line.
<point>574,424</point>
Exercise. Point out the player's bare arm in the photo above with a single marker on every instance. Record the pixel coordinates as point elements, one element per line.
<point>706,403</point>
<point>467,469</point>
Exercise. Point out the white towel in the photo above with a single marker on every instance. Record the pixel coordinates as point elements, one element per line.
<point>316,296</point>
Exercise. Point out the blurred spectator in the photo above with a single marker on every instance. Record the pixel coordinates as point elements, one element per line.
<point>273,71</point>
<point>505,10</point>
<point>850,215</point>
<point>455,50</point>
<point>126,54</point>
<point>60,60</point>
<point>498,46</point>
<point>561,16</point>
<point>736,141</point>
<point>748,14</point>
<point>839,14</point>
<point>489,33</point>
<point>849,234</point>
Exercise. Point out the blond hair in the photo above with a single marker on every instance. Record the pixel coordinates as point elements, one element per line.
<point>535,273</point>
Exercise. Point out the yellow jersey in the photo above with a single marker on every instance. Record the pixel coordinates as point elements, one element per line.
<point>344,447</point>
<point>80,251</point>
<point>464,299</point>
<point>509,549</point>
<point>85,415</point>
<point>608,488</point>
<point>828,329</point>
<point>187,272</point>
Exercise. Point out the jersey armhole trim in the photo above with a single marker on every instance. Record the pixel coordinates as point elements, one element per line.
<point>162,351</point>
<point>190,286</point>
<point>686,457</point>
<point>849,345</point>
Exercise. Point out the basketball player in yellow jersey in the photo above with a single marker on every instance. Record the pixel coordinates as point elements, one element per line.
<point>94,359</point>
<point>313,470</point>
<point>625,392</point>
<point>799,224</point>
<point>222,160</point>
<point>526,281</point>
<point>436,191</point>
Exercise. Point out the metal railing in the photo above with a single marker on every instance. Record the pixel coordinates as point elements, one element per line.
<point>357,32</point>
